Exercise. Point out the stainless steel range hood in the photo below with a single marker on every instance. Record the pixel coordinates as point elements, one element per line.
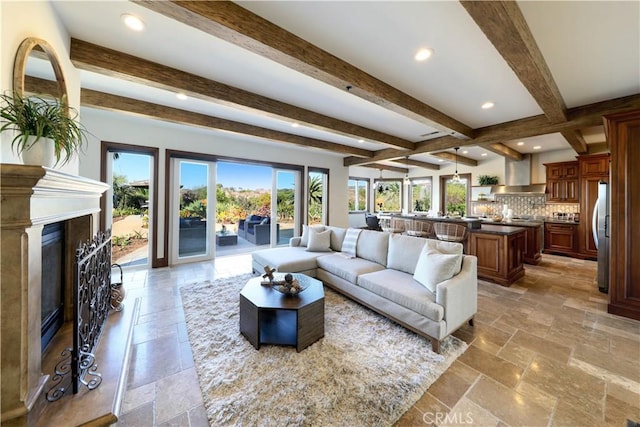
<point>518,178</point>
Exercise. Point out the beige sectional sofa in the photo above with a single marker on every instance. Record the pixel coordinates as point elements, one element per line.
<point>397,276</point>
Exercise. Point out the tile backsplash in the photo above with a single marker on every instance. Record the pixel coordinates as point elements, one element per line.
<point>525,204</point>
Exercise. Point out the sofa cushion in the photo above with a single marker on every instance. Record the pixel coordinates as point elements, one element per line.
<point>254,218</point>
<point>337,237</point>
<point>319,241</point>
<point>288,259</point>
<point>404,252</point>
<point>435,267</point>
<point>372,246</point>
<point>447,248</point>
<point>347,268</point>
<point>305,233</point>
<point>402,289</point>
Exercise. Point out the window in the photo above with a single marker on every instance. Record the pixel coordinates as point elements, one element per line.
<point>420,194</point>
<point>317,196</point>
<point>358,194</point>
<point>455,196</point>
<point>388,195</point>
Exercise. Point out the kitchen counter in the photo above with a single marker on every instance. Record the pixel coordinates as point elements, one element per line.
<point>471,223</point>
<point>504,230</point>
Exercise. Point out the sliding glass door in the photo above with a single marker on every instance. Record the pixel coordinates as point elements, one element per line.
<point>285,206</point>
<point>193,210</point>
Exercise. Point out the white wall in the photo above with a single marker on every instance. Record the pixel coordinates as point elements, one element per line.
<point>22,19</point>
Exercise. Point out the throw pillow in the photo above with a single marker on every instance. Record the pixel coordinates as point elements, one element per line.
<point>434,267</point>
<point>350,241</point>
<point>304,240</point>
<point>404,252</point>
<point>319,241</point>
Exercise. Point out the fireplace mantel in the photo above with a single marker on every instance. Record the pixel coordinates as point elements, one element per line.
<point>32,197</point>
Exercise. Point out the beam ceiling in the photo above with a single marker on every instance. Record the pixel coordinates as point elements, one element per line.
<point>111,102</point>
<point>418,163</point>
<point>234,24</point>
<point>90,57</point>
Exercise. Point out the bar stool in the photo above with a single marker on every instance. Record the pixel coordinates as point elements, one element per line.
<point>392,225</point>
<point>417,228</point>
<point>449,232</point>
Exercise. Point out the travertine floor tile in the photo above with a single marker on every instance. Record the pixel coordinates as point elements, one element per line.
<point>492,366</point>
<point>507,404</point>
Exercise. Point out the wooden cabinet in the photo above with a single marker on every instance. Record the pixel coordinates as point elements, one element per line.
<point>533,245</point>
<point>562,170</point>
<point>560,238</point>
<point>562,182</point>
<point>593,170</point>
<point>499,252</point>
<point>623,138</point>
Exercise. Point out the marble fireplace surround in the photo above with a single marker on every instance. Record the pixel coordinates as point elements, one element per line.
<point>32,197</point>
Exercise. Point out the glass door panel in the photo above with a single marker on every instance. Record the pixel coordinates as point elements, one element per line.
<point>284,206</point>
<point>193,204</point>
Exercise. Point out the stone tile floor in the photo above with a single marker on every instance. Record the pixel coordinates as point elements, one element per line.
<point>542,352</point>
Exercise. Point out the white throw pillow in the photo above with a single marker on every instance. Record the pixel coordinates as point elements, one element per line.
<point>304,240</point>
<point>434,267</point>
<point>319,241</point>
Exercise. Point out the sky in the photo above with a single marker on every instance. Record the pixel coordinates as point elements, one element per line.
<point>137,167</point>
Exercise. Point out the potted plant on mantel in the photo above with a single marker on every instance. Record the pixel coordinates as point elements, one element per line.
<point>46,132</point>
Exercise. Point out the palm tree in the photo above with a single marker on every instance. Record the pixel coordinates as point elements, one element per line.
<point>315,189</point>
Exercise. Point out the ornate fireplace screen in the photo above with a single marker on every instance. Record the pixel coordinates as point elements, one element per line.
<point>91,298</point>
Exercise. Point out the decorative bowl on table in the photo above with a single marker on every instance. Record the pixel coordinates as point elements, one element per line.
<point>290,285</point>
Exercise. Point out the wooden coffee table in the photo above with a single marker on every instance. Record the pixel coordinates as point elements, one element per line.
<point>270,317</point>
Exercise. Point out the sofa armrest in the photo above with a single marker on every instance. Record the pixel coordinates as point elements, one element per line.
<point>295,241</point>
<point>459,295</point>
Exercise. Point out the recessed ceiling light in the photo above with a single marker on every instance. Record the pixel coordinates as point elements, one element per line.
<point>295,125</point>
<point>423,54</point>
<point>484,154</point>
<point>520,143</point>
<point>181,96</point>
<point>361,141</point>
<point>536,147</point>
<point>132,21</point>
<point>465,152</point>
<point>440,160</point>
<point>487,105</point>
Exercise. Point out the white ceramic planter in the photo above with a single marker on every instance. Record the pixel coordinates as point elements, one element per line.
<point>40,153</point>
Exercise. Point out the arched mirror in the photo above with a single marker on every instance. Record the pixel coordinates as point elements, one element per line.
<point>37,70</point>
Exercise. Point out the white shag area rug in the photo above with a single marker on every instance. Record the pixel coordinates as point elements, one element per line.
<point>366,371</point>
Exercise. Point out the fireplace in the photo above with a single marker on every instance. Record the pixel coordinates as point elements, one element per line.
<point>53,274</point>
<point>44,211</point>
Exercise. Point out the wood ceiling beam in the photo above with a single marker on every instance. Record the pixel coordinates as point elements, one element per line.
<point>576,140</point>
<point>418,163</point>
<point>579,117</point>
<point>87,56</point>
<point>452,158</point>
<point>106,101</point>
<point>503,150</point>
<point>387,168</point>
<point>506,28</point>
<point>234,24</point>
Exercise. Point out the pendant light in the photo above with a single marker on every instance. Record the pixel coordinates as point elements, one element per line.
<point>456,177</point>
<point>407,181</point>
<point>378,185</point>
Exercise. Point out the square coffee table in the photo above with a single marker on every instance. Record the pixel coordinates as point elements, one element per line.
<point>226,239</point>
<point>271,317</point>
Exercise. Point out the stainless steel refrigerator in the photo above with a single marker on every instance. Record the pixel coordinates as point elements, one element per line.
<point>600,228</point>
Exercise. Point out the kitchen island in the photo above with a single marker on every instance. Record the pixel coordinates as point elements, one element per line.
<point>500,252</point>
<point>500,248</point>
<point>533,242</point>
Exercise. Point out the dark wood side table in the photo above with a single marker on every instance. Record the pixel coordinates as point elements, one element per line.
<point>270,317</point>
